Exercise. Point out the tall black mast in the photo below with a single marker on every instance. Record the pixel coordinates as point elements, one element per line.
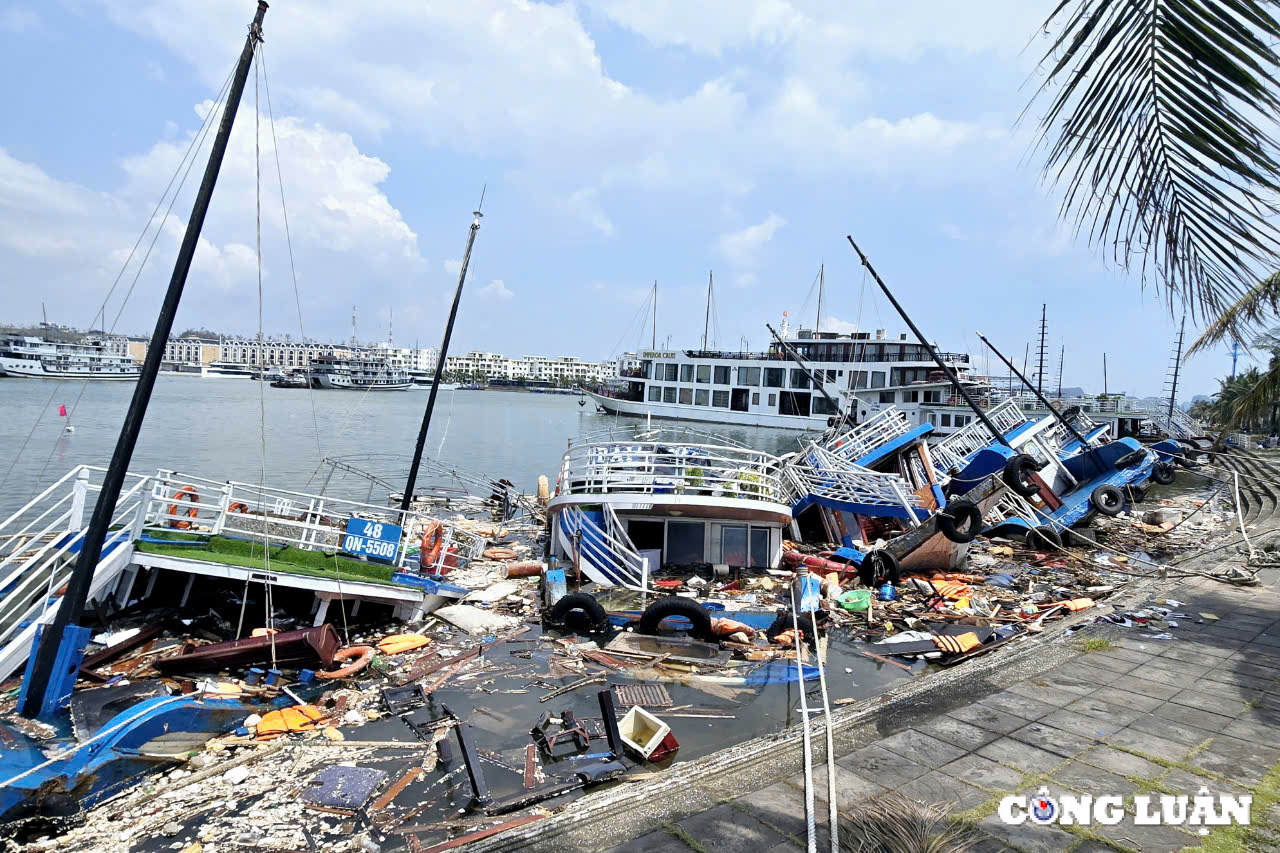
<point>1074,432</point>
<point>654,344</point>
<point>817,327</point>
<point>1062,357</point>
<point>407,498</point>
<point>1177,365</point>
<point>72,607</point>
<point>1043,327</point>
<point>951,374</point>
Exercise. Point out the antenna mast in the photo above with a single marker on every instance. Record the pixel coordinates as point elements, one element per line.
<point>654,345</point>
<point>1061,358</point>
<point>706,327</point>
<point>1040,369</point>
<point>821,283</point>
<point>1177,364</point>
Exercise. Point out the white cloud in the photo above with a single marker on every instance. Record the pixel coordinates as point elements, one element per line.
<point>496,291</point>
<point>452,266</point>
<point>743,247</point>
<point>832,323</point>
<point>745,279</point>
<point>347,236</point>
<point>585,205</point>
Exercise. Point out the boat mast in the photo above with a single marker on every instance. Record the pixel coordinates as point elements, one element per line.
<point>1177,365</point>
<point>1040,370</point>
<point>407,498</point>
<point>1058,415</point>
<point>1062,356</point>
<point>71,608</point>
<point>951,374</point>
<point>706,327</point>
<point>654,345</point>
<point>1104,374</point>
<point>821,283</point>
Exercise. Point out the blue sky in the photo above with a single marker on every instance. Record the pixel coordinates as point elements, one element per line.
<point>620,142</point>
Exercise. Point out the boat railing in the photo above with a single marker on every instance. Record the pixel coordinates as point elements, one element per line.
<point>38,562</point>
<point>954,450</point>
<point>1011,505</point>
<point>606,555</point>
<point>651,467</point>
<point>254,512</point>
<point>863,438</point>
<point>820,473</point>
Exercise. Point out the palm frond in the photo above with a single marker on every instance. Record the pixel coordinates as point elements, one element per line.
<point>1159,134</point>
<point>1259,304</point>
<point>1252,404</point>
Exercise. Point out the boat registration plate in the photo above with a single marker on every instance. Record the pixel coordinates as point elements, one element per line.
<point>375,539</point>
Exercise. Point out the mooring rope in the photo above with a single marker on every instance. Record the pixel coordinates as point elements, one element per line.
<point>810,817</point>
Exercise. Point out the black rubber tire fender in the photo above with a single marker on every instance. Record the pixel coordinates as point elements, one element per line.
<point>878,567</point>
<point>1130,459</point>
<point>1134,494</point>
<point>783,623</point>
<point>960,521</point>
<point>674,605</point>
<point>1107,499</point>
<point>582,603</point>
<point>1043,537</point>
<point>1164,473</point>
<point>1017,473</point>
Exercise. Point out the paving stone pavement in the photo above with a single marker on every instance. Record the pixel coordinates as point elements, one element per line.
<point>1142,717</point>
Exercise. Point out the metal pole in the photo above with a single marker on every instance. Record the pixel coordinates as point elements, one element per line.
<point>654,345</point>
<point>1062,357</point>
<point>1074,432</point>
<point>821,283</point>
<point>817,382</point>
<point>951,374</point>
<point>73,601</point>
<point>1177,364</point>
<point>1040,370</point>
<point>407,498</point>
<point>707,325</point>
<point>1104,374</point>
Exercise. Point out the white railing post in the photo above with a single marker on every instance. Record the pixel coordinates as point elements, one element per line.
<point>79,490</point>
<point>224,506</point>
<point>139,515</point>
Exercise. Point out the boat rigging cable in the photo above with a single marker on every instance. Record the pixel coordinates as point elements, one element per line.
<point>197,141</point>
<point>809,816</point>
<point>818,653</point>
<point>269,596</point>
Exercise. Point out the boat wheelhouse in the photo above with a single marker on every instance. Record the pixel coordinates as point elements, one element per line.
<point>630,501</point>
<point>41,358</point>
<point>359,374</point>
<point>769,388</point>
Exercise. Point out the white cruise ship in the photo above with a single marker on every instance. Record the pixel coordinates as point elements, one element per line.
<point>40,358</point>
<point>359,374</point>
<point>769,389</point>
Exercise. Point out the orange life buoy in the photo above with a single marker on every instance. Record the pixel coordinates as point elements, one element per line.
<point>362,656</point>
<point>500,554</point>
<point>190,493</point>
<point>239,507</point>
<point>432,543</point>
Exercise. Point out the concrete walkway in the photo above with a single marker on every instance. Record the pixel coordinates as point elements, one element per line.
<point>1125,716</point>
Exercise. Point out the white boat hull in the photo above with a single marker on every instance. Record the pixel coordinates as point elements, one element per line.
<point>344,383</point>
<point>670,411</point>
<point>34,369</point>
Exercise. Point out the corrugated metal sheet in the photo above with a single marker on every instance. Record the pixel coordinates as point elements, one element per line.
<point>649,695</point>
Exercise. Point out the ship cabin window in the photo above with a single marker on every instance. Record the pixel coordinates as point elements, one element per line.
<point>701,396</point>
<point>823,406</point>
<point>773,377</point>
<point>799,379</point>
<point>720,399</point>
<point>669,393</point>
<point>877,379</point>
<point>907,375</point>
<point>644,367</point>
<point>748,376</point>
<point>722,375</point>
<point>686,396</point>
<point>911,396</point>
<point>686,542</point>
<point>933,396</point>
<point>946,419</point>
<point>655,393</point>
<point>671,371</point>
<point>831,376</point>
<point>794,403</point>
<point>888,397</point>
<point>686,373</point>
<point>857,379</point>
<point>962,420</point>
<point>773,400</point>
<point>755,399</point>
<point>741,545</point>
<point>704,374</point>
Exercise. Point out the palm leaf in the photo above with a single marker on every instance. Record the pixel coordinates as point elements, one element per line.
<point>1159,134</point>
<point>1261,302</point>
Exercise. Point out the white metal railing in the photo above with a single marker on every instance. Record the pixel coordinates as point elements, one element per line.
<point>863,438</point>
<point>973,436</point>
<point>651,467</point>
<point>820,473</point>
<point>607,556</point>
<point>1010,505</point>
<point>299,519</point>
<point>1241,440</point>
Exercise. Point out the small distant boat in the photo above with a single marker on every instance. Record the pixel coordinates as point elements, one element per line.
<point>290,380</point>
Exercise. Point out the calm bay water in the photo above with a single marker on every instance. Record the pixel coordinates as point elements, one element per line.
<point>211,428</point>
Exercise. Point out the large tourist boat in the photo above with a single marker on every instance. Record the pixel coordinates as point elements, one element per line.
<point>358,374</point>
<point>770,388</point>
<point>41,358</point>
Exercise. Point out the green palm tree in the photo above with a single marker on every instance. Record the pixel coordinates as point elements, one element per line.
<point>1158,132</point>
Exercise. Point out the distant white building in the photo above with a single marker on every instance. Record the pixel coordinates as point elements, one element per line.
<point>562,370</point>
